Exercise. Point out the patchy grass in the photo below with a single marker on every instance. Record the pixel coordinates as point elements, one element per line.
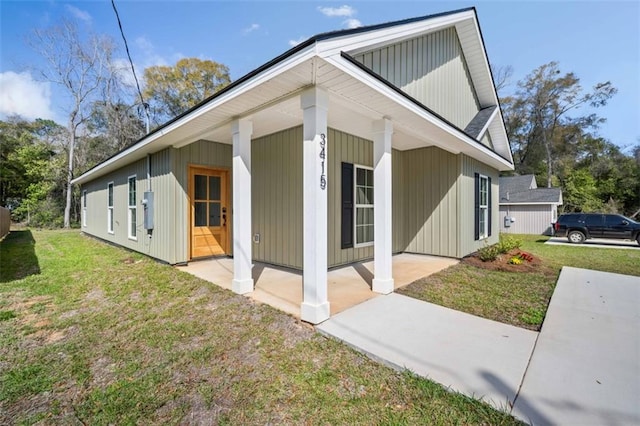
<point>518,298</point>
<point>98,335</point>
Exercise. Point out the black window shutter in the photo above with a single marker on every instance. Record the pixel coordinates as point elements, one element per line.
<point>476,192</point>
<point>347,206</point>
<point>489,206</point>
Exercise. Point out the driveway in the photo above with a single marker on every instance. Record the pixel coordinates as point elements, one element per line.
<point>582,368</point>
<point>599,242</point>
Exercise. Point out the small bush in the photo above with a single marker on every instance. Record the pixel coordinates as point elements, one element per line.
<point>489,253</point>
<point>515,260</point>
<point>508,243</point>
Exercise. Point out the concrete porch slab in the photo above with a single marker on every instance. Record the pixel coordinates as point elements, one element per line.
<point>347,286</point>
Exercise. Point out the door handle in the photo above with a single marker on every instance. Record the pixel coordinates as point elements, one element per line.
<point>224,220</point>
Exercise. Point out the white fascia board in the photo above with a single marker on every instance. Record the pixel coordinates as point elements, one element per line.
<point>368,40</point>
<point>385,90</point>
<point>278,68</point>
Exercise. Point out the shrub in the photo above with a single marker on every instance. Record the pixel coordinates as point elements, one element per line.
<point>508,243</point>
<point>489,253</point>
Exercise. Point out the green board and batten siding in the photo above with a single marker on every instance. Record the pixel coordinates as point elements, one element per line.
<point>276,204</point>
<point>466,201</point>
<point>429,198</point>
<point>200,153</point>
<point>432,69</point>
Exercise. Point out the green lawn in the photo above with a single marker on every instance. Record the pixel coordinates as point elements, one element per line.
<point>93,334</point>
<point>518,298</point>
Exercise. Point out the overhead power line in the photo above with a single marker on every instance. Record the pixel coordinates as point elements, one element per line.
<point>133,70</point>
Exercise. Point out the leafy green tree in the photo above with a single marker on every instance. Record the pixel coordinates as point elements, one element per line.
<point>580,193</point>
<point>172,90</point>
<point>538,116</point>
<point>33,170</point>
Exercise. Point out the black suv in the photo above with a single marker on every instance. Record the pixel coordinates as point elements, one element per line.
<point>578,227</point>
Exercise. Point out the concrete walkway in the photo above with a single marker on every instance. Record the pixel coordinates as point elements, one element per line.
<point>475,356</point>
<point>585,368</point>
<point>586,365</point>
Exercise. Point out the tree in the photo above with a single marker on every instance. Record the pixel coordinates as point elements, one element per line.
<point>79,65</point>
<point>538,120</point>
<point>32,175</point>
<point>172,90</point>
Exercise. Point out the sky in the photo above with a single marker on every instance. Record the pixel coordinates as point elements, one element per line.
<point>598,41</point>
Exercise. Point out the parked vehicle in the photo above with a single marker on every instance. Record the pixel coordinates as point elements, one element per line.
<point>578,227</point>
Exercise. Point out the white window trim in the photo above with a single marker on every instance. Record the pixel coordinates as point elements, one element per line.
<point>483,210</point>
<point>133,207</point>
<point>356,205</point>
<point>110,218</point>
<point>84,208</point>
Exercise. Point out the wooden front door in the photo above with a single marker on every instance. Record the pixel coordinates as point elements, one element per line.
<point>209,212</point>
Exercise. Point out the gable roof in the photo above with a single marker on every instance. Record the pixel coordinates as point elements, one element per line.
<point>269,95</point>
<point>524,190</point>
<point>478,125</point>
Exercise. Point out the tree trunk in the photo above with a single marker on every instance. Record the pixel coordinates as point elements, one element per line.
<point>72,144</point>
<point>549,166</point>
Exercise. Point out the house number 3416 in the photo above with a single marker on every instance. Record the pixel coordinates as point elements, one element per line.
<point>323,145</point>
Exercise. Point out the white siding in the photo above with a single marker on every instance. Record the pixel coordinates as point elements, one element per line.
<point>529,219</point>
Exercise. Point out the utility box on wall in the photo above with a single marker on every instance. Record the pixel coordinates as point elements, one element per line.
<point>507,221</point>
<point>147,203</point>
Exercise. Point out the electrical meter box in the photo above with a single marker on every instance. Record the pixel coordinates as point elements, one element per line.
<point>147,203</point>
<point>507,222</point>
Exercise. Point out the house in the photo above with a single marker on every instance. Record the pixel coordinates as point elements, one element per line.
<point>525,208</point>
<point>353,145</point>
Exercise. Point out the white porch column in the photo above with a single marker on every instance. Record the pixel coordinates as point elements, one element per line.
<point>315,304</point>
<point>382,207</point>
<point>242,279</point>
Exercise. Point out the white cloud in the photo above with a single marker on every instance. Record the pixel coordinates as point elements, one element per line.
<point>78,13</point>
<point>294,43</point>
<point>251,28</point>
<point>337,11</point>
<point>352,23</point>
<point>21,94</point>
<point>149,55</point>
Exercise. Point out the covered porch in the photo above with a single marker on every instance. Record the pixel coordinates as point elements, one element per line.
<point>348,285</point>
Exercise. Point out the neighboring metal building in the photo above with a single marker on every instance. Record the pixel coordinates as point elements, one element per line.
<point>525,208</point>
<point>353,145</point>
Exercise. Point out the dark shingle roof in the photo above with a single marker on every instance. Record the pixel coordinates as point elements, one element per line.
<point>516,184</point>
<point>523,190</point>
<point>476,125</point>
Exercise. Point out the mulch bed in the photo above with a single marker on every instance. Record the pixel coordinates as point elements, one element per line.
<point>502,262</point>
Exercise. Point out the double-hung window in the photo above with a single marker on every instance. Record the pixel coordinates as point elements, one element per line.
<point>110,207</point>
<point>482,206</point>
<point>84,208</point>
<point>357,206</point>
<point>364,206</point>
<point>132,209</point>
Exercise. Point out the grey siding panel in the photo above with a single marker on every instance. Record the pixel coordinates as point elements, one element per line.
<point>398,194</point>
<point>467,244</point>
<point>97,207</point>
<point>430,196</point>
<point>530,219</point>
<point>350,149</point>
<point>432,69</point>
<point>201,153</point>
<point>276,180</point>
